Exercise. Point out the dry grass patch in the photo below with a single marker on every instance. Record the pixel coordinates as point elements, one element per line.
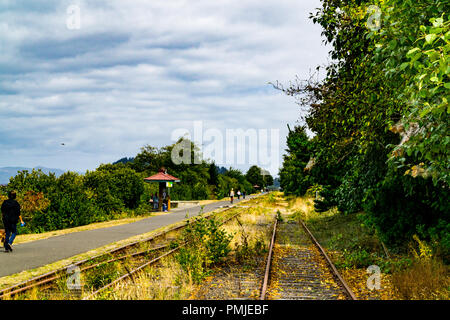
<point>425,279</point>
<point>167,281</point>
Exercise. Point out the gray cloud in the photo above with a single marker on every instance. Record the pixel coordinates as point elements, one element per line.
<point>137,70</point>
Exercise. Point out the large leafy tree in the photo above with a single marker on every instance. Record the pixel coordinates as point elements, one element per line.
<point>254,176</point>
<point>380,116</point>
<point>293,176</point>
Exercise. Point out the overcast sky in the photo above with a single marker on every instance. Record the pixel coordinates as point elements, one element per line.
<point>137,70</point>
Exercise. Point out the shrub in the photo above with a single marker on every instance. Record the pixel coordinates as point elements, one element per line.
<point>402,206</point>
<point>206,244</point>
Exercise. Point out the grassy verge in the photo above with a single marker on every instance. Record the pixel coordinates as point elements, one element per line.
<point>354,247</point>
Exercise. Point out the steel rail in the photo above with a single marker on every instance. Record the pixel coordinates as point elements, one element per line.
<point>346,288</point>
<point>41,279</point>
<point>128,274</point>
<point>153,261</point>
<point>269,263</point>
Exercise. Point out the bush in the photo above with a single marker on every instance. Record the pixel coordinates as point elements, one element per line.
<point>357,259</point>
<point>206,244</point>
<point>401,206</point>
<point>115,186</point>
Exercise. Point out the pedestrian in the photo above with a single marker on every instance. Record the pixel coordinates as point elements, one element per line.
<point>231,195</point>
<point>10,215</point>
<point>243,194</point>
<point>155,202</point>
<point>239,194</point>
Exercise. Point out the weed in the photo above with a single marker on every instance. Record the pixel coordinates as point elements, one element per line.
<point>246,250</point>
<point>356,259</point>
<point>425,279</point>
<point>279,217</point>
<point>101,275</point>
<point>206,244</point>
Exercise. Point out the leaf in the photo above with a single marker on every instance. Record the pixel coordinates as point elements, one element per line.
<point>434,79</point>
<point>412,51</point>
<point>404,65</point>
<point>392,44</point>
<point>438,22</point>
<point>429,38</point>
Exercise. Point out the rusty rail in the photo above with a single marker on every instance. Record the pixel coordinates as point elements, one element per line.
<point>269,263</point>
<point>346,288</point>
<point>153,261</point>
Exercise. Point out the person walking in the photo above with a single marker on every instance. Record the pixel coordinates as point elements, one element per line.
<point>10,215</point>
<point>243,194</point>
<point>239,194</point>
<point>231,195</point>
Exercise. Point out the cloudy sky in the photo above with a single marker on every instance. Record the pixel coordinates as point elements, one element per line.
<point>135,71</point>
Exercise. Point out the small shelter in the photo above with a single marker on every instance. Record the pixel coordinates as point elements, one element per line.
<point>165,181</point>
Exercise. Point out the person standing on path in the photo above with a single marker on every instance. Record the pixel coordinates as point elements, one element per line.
<point>10,215</point>
<point>238,194</point>
<point>243,194</point>
<point>155,202</point>
<point>231,195</point>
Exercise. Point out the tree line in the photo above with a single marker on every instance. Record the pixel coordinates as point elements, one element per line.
<point>380,119</point>
<point>118,190</point>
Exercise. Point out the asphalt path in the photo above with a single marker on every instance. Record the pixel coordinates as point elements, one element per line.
<point>34,254</point>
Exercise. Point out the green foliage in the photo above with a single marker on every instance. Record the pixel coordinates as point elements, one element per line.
<point>256,176</point>
<point>293,177</point>
<point>101,275</point>
<point>199,179</point>
<point>206,244</point>
<point>325,200</point>
<point>115,186</point>
<point>74,199</point>
<point>380,118</point>
<point>401,206</point>
<point>115,190</point>
<point>246,250</point>
<point>357,259</point>
<point>279,216</point>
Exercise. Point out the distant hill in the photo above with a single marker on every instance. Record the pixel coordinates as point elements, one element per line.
<point>8,172</point>
<point>222,170</point>
<point>124,160</point>
<point>276,182</point>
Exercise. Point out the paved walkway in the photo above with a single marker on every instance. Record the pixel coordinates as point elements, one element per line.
<point>39,253</point>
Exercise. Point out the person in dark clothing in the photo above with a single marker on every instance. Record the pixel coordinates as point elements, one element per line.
<point>11,215</point>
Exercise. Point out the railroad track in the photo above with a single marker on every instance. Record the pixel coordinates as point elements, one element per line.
<point>146,264</point>
<point>138,255</point>
<point>298,268</point>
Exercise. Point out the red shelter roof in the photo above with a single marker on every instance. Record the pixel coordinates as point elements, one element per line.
<point>162,177</point>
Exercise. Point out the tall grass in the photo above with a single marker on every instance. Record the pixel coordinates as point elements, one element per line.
<point>428,278</point>
<point>167,282</point>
